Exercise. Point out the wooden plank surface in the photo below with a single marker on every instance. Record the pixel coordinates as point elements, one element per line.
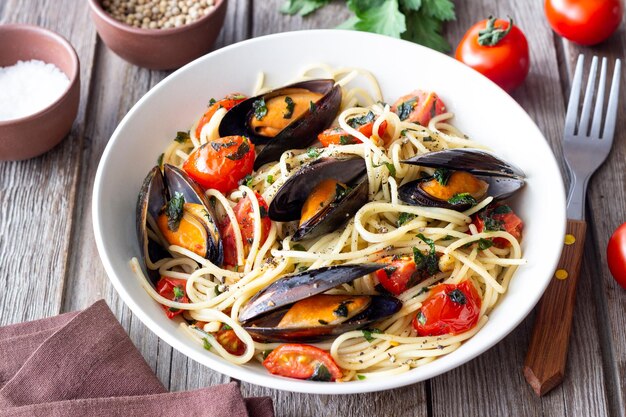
<point>59,270</point>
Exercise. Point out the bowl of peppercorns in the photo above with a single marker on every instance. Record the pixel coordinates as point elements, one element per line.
<point>158,34</point>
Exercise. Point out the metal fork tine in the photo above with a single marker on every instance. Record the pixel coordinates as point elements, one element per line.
<point>585,115</point>
<point>611,111</point>
<point>597,114</point>
<point>574,97</point>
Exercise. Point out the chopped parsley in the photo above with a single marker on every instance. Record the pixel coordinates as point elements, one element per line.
<point>390,270</point>
<point>367,334</point>
<point>462,198</point>
<point>270,179</point>
<point>321,373</point>
<point>404,109</point>
<point>226,327</point>
<point>427,264</point>
<point>360,377</point>
<point>299,247</point>
<point>212,102</point>
<point>484,244</point>
<point>247,180</point>
<point>178,293</point>
<point>503,209</point>
<point>266,353</point>
<point>260,109</point>
<point>423,290</point>
<point>428,139</point>
<point>341,191</point>
<point>342,309</point>
<point>206,343</point>
<point>421,318</point>
<point>391,168</point>
<point>346,140</point>
<point>442,175</point>
<point>217,291</point>
<point>323,322</point>
<point>313,152</point>
<point>242,151</point>
<point>404,217</point>
<point>312,107</point>
<point>174,211</point>
<point>182,137</point>
<point>290,106</point>
<point>217,146</point>
<point>355,122</point>
<point>457,296</point>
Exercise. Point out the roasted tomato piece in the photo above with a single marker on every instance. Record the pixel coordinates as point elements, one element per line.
<point>496,217</point>
<point>227,337</point>
<point>419,107</point>
<point>449,309</point>
<point>221,163</point>
<point>245,217</point>
<point>227,102</point>
<point>400,275</point>
<point>172,289</point>
<point>616,255</point>
<point>302,362</point>
<point>338,136</point>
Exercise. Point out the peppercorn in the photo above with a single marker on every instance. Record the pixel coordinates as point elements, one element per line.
<point>157,14</point>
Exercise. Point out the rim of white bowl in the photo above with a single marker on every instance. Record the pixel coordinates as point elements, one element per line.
<point>310,387</point>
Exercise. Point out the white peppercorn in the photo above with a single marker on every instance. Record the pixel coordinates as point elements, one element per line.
<point>157,14</point>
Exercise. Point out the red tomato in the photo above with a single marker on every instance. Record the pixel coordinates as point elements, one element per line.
<point>227,102</point>
<point>229,341</point>
<point>221,163</point>
<point>586,22</point>
<point>449,309</point>
<point>338,136</point>
<point>500,55</point>
<point>616,255</point>
<point>399,276</point>
<point>302,362</point>
<point>499,217</point>
<point>172,289</point>
<point>419,107</point>
<point>244,213</point>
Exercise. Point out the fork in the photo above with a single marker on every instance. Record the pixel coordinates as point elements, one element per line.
<point>586,146</point>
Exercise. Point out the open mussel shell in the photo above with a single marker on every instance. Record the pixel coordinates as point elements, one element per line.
<point>503,178</point>
<point>296,287</point>
<point>288,201</point>
<point>267,329</point>
<point>298,134</point>
<point>156,190</point>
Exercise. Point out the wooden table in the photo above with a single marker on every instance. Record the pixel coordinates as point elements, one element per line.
<point>49,263</point>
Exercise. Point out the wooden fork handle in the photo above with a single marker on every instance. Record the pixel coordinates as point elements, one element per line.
<point>545,362</point>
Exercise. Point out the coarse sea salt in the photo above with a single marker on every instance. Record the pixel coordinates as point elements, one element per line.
<point>28,87</point>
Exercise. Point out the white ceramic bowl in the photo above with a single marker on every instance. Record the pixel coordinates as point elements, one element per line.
<point>482,110</point>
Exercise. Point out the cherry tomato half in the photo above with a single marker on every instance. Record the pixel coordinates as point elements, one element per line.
<point>419,107</point>
<point>227,102</point>
<point>302,362</point>
<point>449,309</point>
<point>338,136</point>
<point>172,289</point>
<point>399,276</point>
<point>245,217</point>
<point>497,217</point>
<point>221,163</point>
<point>586,22</point>
<point>227,337</point>
<point>616,255</point>
<point>498,50</point>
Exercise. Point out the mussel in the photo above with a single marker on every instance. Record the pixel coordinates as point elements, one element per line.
<point>322,195</point>
<point>463,178</point>
<point>294,309</point>
<point>178,208</point>
<point>286,118</point>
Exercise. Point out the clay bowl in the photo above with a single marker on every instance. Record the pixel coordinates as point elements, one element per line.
<point>37,133</point>
<point>160,49</point>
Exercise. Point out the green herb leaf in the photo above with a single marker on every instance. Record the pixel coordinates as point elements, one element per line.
<point>302,7</point>
<point>178,293</point>
<point>341,191</point>
<point>216,290</point>
<point>247,180</point>
<point>226,327</point>
<point>377,16</point>
<point>442,175</point>
<point>457,296</point>
<point>266,353</point>
<point>346,140</point>
<point>411,4</point>
<point>502,209</point>
<point>440,9</point>
<point>390,270</point>
<point>182,137</point>
<point>392,169</point>
<point>174,211</point>
<point>356,122</point>
<point>312,107</point>
<point>323,322</point>
<point>218,146</point>
<point>462,198</point>
<point>427,264</point>
<point>212,101</point>
<point>426,30</point>
<point>270,179</point>
<point>206,343</point>
<point>423,290</point>
<point>421,318</point>
<point>260,109</point>
<point>321,373</point>
<point>360,377</point>
<point>299,247</point>
<point>313,152</point>
<point>404,217</point>
<point>290,106</point>
<point>242,150</point>
<point>341,310</point>
<point>484,244</point>
<point>367,334</point>
<point>160,160</point>
<point>405,108</point>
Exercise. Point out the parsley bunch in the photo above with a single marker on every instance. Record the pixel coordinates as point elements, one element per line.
<point>419,21</point>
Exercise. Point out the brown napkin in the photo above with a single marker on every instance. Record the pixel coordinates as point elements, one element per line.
<point>85,364</point>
